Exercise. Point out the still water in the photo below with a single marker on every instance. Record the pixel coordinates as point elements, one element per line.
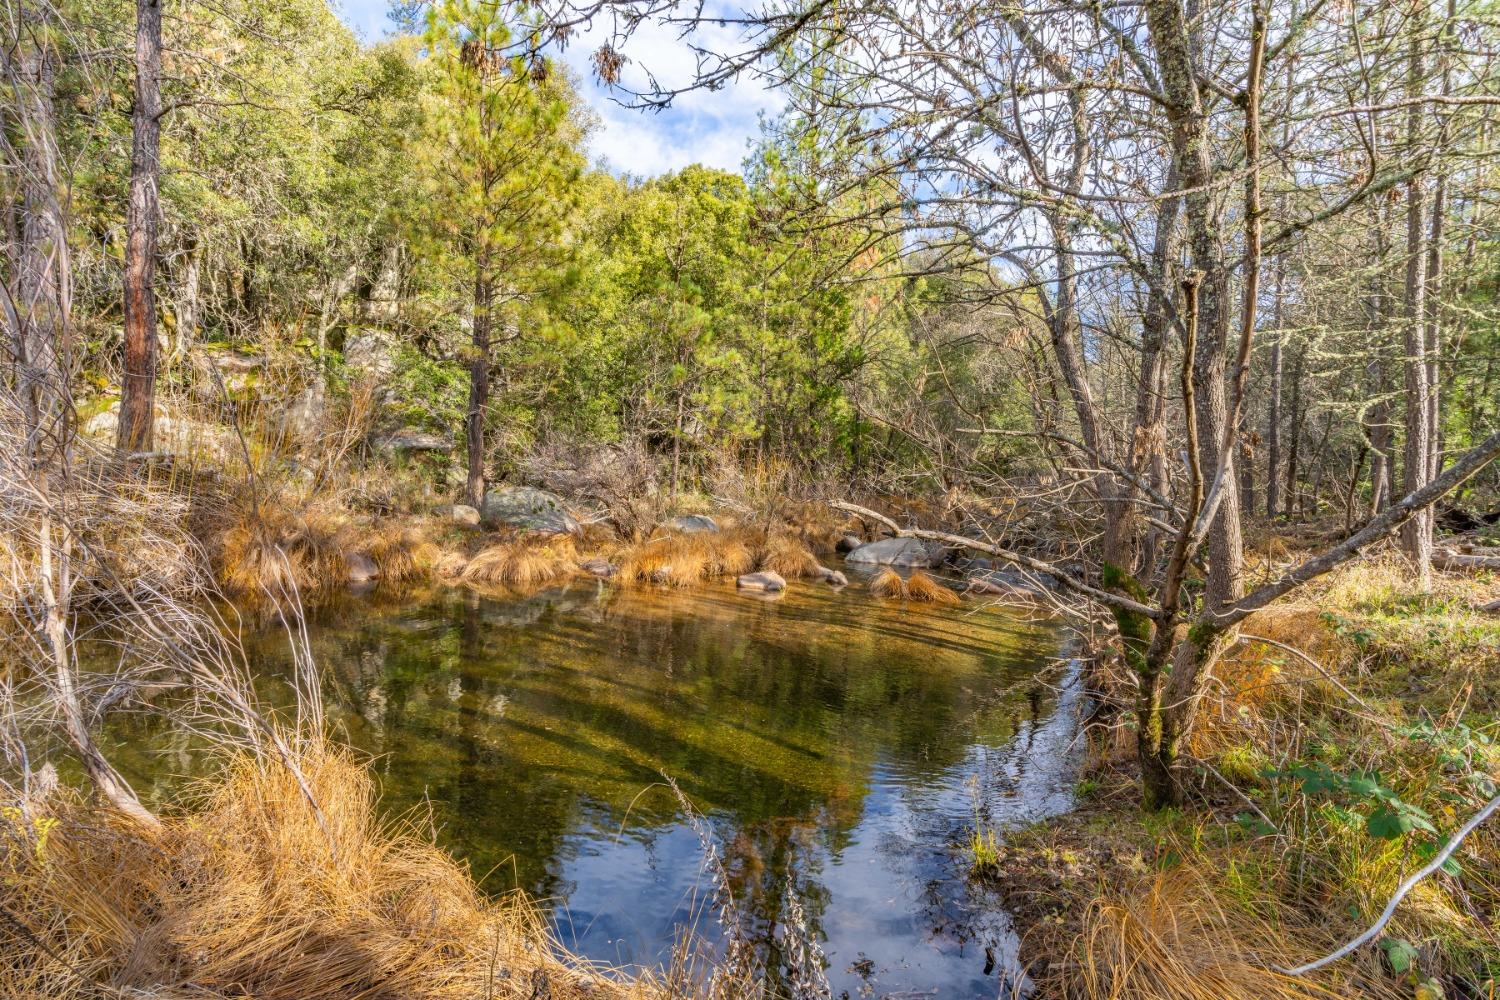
<point>834,743</point>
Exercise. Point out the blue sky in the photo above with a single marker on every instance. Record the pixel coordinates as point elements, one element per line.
<point>709,128</point>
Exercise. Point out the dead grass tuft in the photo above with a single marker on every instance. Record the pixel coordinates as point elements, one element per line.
<point>255,894</point>
<point>921,587</point>
<point>274,546</point>
<point>888,583</point>
<point>789,556</point>
<point>524,561</point>
<point>1172,938</point>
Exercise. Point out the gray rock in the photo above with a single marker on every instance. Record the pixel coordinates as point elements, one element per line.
<point>691,524</point>
<point>459,513</point>
<point>307,412</point>
<point>908,552</point>
<point>832,577</point>
<point>848,543</point>
<point>599,567</point>
<point>528,509</point>
<point>362,568</point>
<point>371,352</point>
<point>763,581</point>
<point>409,439</point>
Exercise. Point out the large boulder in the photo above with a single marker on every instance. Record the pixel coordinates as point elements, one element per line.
<point>528,509</point>
<point>911,553</point>
<point>691,524</point>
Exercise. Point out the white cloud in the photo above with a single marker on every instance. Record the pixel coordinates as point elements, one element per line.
<point>709,127</point>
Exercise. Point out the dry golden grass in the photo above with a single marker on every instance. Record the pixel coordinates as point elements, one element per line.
<point>1173,938</point>
<point>256,894</point>
<point>888,583</point>
<point>921,587</point>
<point>675,560</point>
<point>524,561</point>
<point>918,587</point>
<point>402,552</point>
<point>788,556</point>
<point>257,546</point>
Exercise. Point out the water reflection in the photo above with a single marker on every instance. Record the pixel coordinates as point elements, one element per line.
<point>830,740</point>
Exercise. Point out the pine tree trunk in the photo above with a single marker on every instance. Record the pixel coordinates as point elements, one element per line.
<point>479,379</point>
<point>138,389</point>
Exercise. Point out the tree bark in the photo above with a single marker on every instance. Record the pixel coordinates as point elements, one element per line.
<point>41,283</point>
<point>1167,24</point>
<point>1416,534</point>
<point>138,388</point>
<point>479,378</point>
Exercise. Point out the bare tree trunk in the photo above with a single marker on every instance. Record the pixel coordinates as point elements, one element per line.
<point>189,295</point>
<point>479,378</point>
<point>138,388</point>
<point>1168,25</point>
<point>56,577</point>
<point>1273,412</point>
<point>41,288</point>
<point>1294,439</point>
<point>1416,533</point>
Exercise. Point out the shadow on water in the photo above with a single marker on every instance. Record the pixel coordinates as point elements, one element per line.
<point>837,743</point>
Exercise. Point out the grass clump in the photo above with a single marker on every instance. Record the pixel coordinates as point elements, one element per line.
<point>521,562</point>
<point>919,587</point>
<point>258,893</point>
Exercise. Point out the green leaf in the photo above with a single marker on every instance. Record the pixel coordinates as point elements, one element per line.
<point>1399,954</point>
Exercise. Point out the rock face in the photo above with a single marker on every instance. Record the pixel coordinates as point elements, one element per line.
<point>765,581</point>
<point>691,524</point>
<point>908,552</point>
<point>528,509</point>
<point>409,439</point>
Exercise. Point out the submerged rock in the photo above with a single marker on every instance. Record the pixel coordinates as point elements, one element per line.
<point>832,577</point>
<point>528,509</point>
<point>691,524</point>
<point>1013,582</point>
<point>362,568</point>
<point>762,581</point>
<point>908,552</point>
<point>599,567</point>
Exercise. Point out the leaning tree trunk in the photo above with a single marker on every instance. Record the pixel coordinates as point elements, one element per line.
<point>138,389</point>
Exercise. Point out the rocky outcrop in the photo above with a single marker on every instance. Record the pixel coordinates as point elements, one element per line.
<point>910,553</point>
<point>528,509</point>
<point>409,439</point>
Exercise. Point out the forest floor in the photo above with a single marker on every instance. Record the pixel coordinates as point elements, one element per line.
<point>1322,782</point>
